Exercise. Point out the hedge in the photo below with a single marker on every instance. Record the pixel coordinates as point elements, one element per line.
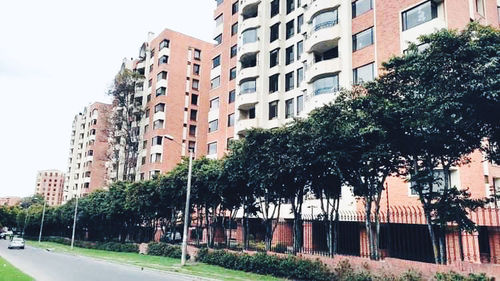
<point>288,267</point>
<point>106,246</point>
<point>164,250</point>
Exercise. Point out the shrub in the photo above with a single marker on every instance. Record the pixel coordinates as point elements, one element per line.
<point>165,250</point>
<point>262,263</point>
<point>106,246</point>
<point>453,276</point>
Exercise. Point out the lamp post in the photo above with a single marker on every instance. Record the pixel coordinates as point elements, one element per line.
<point>41,224</point>
<point>74,221</point>
<point>188,197</point>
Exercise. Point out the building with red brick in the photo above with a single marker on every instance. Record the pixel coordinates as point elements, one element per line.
<point>50,184</point>
<point>9,201</point>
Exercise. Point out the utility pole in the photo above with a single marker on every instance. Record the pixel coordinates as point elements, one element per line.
<point>187,215</point>
<point>74,222</point>
<point>41,224</point>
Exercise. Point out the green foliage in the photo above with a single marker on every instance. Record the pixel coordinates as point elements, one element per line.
<point>105,246</point>
<point>261,263</point>
<point>452,276</point>
<point>165,250</point>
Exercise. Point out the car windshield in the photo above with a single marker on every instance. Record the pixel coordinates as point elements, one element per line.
<point>17,239</point>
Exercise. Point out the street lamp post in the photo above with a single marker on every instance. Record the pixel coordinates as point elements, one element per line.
<point>74,222</point>
<point>186,210</point>
<point>41,224</point>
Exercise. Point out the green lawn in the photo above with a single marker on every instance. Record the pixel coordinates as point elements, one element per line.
<point>160,263</point>
<point>10,273</point>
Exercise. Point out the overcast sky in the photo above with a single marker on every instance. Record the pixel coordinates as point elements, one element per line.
<point>57,56</point>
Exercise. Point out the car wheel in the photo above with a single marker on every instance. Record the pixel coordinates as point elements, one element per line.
<point>10,248</point>
<point>22,248</point>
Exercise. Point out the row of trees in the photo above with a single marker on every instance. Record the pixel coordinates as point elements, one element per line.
<point>428,111</point>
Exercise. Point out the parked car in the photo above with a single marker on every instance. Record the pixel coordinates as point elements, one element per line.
<point>16,243</point>
<point>5,235</point>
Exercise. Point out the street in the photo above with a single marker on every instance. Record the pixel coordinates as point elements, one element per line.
<point>44,265</point>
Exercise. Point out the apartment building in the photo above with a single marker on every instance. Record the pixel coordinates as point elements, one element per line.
<point>50,184</point>
<point>88,151</point>
<point>9,201</point>
<point>174,97</point>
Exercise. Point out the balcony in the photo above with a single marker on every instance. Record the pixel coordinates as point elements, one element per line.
<point>246,124</point>
<point>250,23</point>
<point>323,37</point>
<point>249,72</point>
<point>140,66</point>
<point>247,100</point>
<point>246,5</point>
<point>317,6</point>
<point>321,68</point>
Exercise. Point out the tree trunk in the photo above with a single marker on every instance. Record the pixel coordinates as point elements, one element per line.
<point>432,236</point>
<point>460,245</point>
<point>368,226</point>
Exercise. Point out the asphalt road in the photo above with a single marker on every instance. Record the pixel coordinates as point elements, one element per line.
<point>44,265</point>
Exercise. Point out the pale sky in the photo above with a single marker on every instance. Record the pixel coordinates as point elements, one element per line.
<point>57,56</point>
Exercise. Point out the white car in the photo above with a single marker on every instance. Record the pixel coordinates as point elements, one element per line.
<point>16,243</point>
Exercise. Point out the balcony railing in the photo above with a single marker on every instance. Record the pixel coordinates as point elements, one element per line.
<point>325,24</point>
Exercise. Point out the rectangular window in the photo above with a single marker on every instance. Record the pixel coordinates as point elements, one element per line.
<point>290,6</point>
<point>360,7</point>
<point>163,60</point>
<point>275,32</point>
<point>218,39</point>
<point>194,99</point>
<point>219,2</point>
<point>289,108</point>
<point>161,91</point>
<point>363,74</point>
<point>158,140</point>
<point>300,104</point>
<point>164,44</point>
<point>300,22</point>
<point>193,116</point>
<point>273,110</point>
<point>192,130</point>
<point>192,145</point>
<point>289,81</point>
<point>289,56</point>
<point>230,120</point>
<point>300,49</point>
<point>213,126</point>
<point>216,61</point>
<point>150,82</point>
<point>197,54</point>
<point>232,96</point>
<point>215,83</point>
<point>219,20</point>
<point>160,107</point>
<point>158,124</point>
<point>196,84</point>
<point>362,39</point>
<point>290,29</point>
<point>480,7</point>
<point>274,83</point>
<point>419,15</point>
<point>232,73</point>
<point>275,7</point>
<point>234,29</point>
<point>300,76</point>
<point>156,158</point>
<point>214,104</point>
<point>212,148</point>
<point>161,76</point>
<point>196,69</point>
<point>234,50</point>
<point>274,57</point>
<point>235,7</point>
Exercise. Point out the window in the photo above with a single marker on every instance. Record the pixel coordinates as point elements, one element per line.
<point>327,55</point>
<point>161,76</point>
<point>160,107</point>
<point>144,144</point>
<point>234,29</point>
<point>300,49</point>
<point>300,104</point>
<point>215,83</point>
<point>360,7</point>
<point>290,29</point>
<point>193,115</point>
<point>480,7</point>
<point>248,86</point>
<point>300,22</point>
<point>156,158</point>
<point>275,7</point>
<point>289,57</point>
<point>274,83</point>
<point>232,73</point>
<point>158,140</point>
<point>158,124</point>
<point>161,91</point>
<point>150,82</point>
<point>274,57</point>
<point>328,84</point>
<point>151,68</point>
<point>216,61</point>
<point>235,7</point>
<point>232,96</point>
<point>219,20</point>
<point>362,39</point>
<point>419,15</point>
<point>194,99</point>
<point>230,120</point>
<point>300,76</point>
<point>196,69</point>
<point>249,35</point>
<point>273,110</point>
<point>196,84</point>
<point>234,50</point>
<point>363,74</point>
<point>146,127</point>
<point>289,108</point>
<point>163,60</point>
<point>192,130</point>
<point>289,81</point>
<point>290,6</point>
<point>213,125</point>
<point>197,54</point>
<point>275,32</point>
<point>214,104</point>
<point>164,44</point>
<point>212,148</point>
<point>192,145</point>
<point>218,39</point>
<point>219,2</point>
<point>325,19</point>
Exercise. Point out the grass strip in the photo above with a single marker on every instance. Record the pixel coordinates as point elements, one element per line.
<point>9,273</point>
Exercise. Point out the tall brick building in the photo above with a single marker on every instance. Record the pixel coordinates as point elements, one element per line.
<point>50,184</point>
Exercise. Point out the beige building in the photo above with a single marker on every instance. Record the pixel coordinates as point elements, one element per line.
<point>50,184</point>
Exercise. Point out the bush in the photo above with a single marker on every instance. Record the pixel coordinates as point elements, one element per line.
<point>452,276</point>
<point>165,250</point>
<point>288,267</point>
<point>106,246</point>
